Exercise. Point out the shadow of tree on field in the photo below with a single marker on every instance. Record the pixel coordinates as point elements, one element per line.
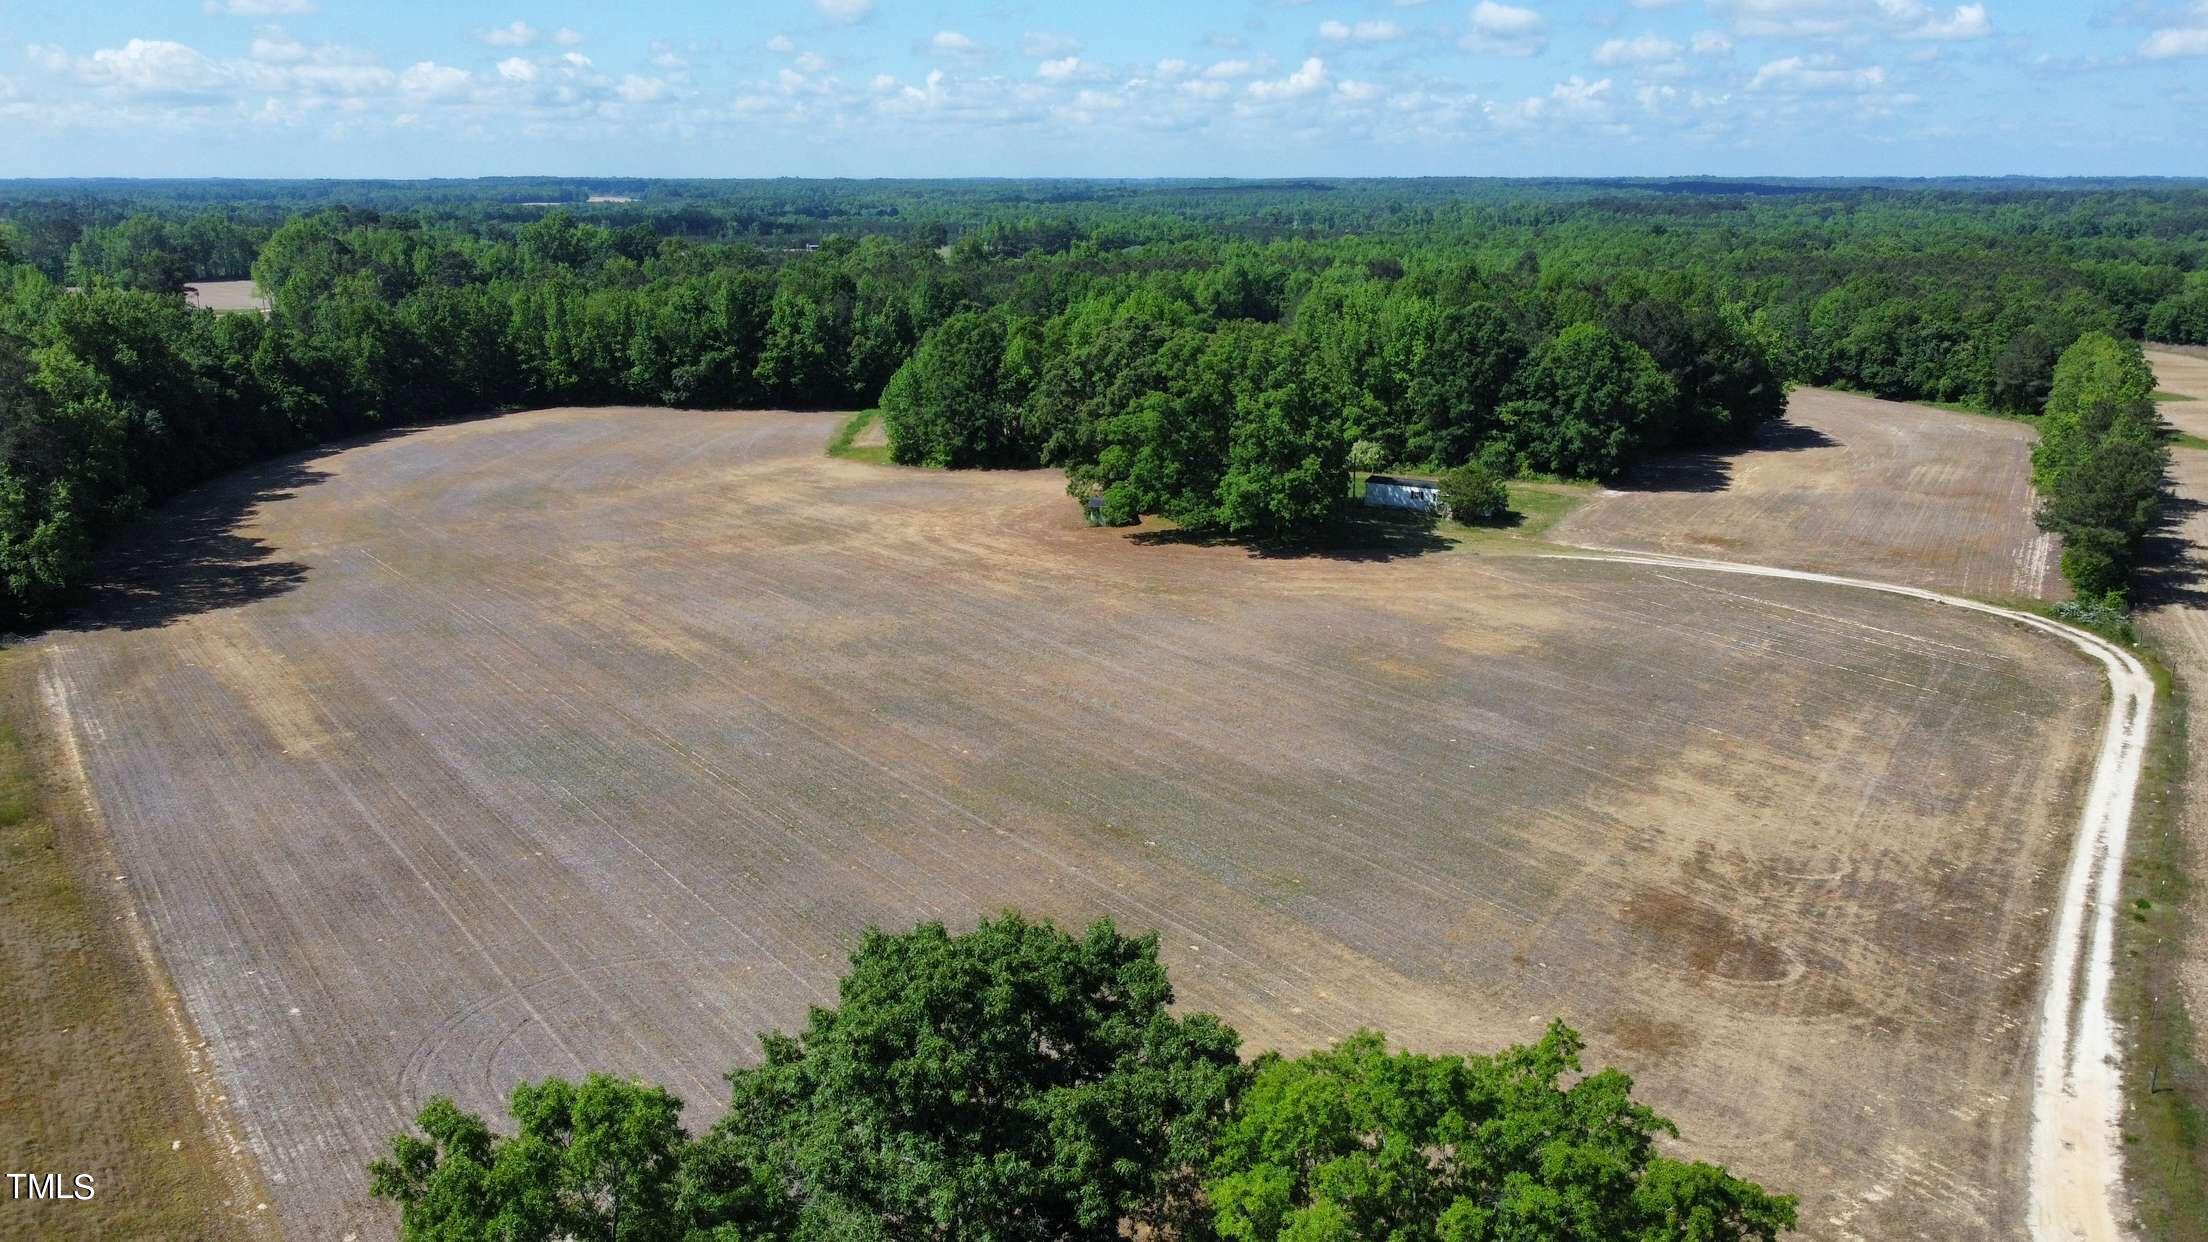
<point>1361,535</point>
<point>2173,571</point>
<point>1711,470</point>
<point>192,555</point>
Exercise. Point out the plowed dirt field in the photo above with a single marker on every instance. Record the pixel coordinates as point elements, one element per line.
<point>1850,485</point>
<point>588,739</point>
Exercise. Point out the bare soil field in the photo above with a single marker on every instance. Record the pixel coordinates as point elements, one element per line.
<point>1849,485</point>
<point>225,295</point>
<point>591,739</point>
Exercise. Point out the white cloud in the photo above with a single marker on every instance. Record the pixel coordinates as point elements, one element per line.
<point>2174,42</point>
<point>1309,77</point>
<point>1361,32</point>
<point>1815,75</point>
<point>1039,45</point>
<point>1639,50</point>
<point>782,43</point>
<point>636,89</point>
<point>258,8</point>
<point>1230,69</point>
<point>1712,43</point>
<point>1505,29</point>
<point>844,12</point>
<point>516,33</point>
<point>1575,100</point>
<point>1835,19</point>
<point>1915,21</point>
<point>567,36</point>
<point>2171,42</point>
<point>952,41</point>
<point>1356,91</point>
<point>1059,70</point>
<point>428,80</point>
<point>517,69</point>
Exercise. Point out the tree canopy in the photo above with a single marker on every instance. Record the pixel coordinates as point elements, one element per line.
<point>1017,1082</point>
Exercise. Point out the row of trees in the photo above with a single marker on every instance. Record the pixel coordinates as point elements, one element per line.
<point>1232,402</point>
<point>1205,353</point>
<point>115,399</point>
<point>2099,464</point>
<point>1019,1083</point>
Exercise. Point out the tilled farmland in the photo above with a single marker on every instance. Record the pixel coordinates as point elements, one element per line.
<point>1850,485</point>
<point>591,739</point>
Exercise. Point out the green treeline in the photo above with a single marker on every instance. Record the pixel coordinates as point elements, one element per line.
<point>1020,1083</point>
<point>2099,464</point>
<point>1210,353</point>
<point>1231,397</point>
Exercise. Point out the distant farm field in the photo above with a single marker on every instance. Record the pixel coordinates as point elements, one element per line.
<point>1850,485</point>
<point>591,739</point>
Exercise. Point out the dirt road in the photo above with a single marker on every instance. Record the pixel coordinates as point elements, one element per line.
<point>2077,1092</point>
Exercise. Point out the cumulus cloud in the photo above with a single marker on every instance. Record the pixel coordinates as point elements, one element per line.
<point>2172,42</point>
<point>1911,20</point>
<point>1815,75</point>
<point>1573,100</point>
<point>1834,19</point>
<point>1639,50</point>
<point>1308,77</point>
<point>516,33</point>
<point>1505,29</point>
<point>1359,32</point>
<point>1040,45</point>
<point>844,12</point>
<point>567,36</point>
<point>517,69</point>
<point>258,8</point>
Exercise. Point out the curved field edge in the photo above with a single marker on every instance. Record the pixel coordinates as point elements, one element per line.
<point>100,1070</point>
<point>2076,1171</point>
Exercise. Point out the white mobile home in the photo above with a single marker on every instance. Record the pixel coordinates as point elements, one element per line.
<point>1397,491</point>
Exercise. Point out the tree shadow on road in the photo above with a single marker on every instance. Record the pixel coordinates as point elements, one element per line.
<point>1711,470</point>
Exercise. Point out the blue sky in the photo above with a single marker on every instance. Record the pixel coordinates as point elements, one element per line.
<point>1135,88</point>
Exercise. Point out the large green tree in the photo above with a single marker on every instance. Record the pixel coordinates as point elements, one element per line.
<point>596,1161</point>
<point>1585,403</point>
<point>1013,1082</point>
<point>1357,1144</point>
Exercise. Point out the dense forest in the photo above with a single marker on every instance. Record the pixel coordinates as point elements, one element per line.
<point>1019,1084</point>
<point>1213,353</point>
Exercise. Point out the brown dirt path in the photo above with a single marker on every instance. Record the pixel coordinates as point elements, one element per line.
<point>1849,485</point>
<point>592,738</point>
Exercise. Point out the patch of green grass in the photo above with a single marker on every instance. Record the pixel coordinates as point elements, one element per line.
<point>1542,505</point>
<point>2186,439</point>
<point>841,443</point>
<point>2171,396</point>
<point>2165,1087</point>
